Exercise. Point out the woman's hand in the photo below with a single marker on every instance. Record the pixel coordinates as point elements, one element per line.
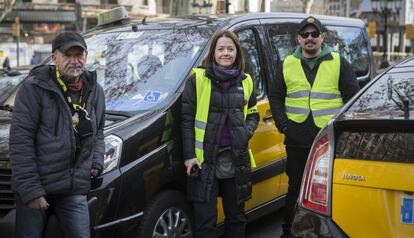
<point>190,163</point>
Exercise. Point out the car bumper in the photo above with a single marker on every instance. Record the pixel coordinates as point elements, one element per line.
<point>310,224</point>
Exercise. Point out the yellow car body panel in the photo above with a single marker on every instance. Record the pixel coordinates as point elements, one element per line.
<point>367,197</point>
<point>267,142</point>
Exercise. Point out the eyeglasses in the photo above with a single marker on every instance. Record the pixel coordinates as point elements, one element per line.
<point>314,34</point>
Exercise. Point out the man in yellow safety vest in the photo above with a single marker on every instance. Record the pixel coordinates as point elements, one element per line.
<point>311,86</point>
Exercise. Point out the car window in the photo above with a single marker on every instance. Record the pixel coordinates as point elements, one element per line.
<point>140,70</point>
<point>387,98</point>
<point>350,42</point>
<point>252,59</point>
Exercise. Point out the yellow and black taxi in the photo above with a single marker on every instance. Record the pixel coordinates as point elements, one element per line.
<point>142,67</point>
<point>359,177</point>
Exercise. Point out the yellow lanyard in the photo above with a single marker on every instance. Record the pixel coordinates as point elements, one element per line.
<point>74,106</point>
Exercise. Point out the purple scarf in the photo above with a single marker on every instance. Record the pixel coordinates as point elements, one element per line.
<point>225,74</point>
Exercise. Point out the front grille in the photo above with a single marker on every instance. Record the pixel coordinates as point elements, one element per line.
<point>6,193</point>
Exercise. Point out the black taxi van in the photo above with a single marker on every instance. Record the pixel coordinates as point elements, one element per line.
<point>142,66</point>
<point>359,177</point>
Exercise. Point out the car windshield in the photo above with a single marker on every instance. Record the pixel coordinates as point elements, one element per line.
<point>390,97</point>
<point>140,70</point>
<point>350,42</point>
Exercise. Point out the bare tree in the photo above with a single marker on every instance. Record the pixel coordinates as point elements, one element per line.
<point>8,6</point>
<point>246,5</point>
<point>307,5</point>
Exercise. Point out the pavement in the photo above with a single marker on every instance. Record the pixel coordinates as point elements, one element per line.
<point>269,226</point>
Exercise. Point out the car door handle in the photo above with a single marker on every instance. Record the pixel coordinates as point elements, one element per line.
<point>267,118</point>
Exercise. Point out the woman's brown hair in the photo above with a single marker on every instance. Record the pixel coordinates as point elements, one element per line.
<point>239,62</point>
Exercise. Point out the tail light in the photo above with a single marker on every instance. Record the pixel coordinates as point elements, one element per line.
<point>315,192</point>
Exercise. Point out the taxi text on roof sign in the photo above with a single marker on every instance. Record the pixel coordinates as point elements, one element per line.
<point>114,15</point>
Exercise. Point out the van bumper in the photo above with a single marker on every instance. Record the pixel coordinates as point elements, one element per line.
<point>310,224</point>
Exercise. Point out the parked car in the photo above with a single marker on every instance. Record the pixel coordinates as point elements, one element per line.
<point>143,66</point>
<point>359,177</point>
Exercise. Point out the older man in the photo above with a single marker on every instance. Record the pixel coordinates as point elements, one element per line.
<point>56,141</point>
<point>312,85</point>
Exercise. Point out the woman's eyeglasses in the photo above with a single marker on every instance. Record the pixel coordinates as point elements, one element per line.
<point>314,34</point>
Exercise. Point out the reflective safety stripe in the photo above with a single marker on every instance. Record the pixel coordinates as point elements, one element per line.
<point>299,94</point>
<point>325,112</point>
<point>200,125</point>
<point>316,95</point>
<point>296,110</point>
<point>198,144</point>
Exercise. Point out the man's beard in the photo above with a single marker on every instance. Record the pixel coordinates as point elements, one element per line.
<point>311,51</point>
<point>73,74</point>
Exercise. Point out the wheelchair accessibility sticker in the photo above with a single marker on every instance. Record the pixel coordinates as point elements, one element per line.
<point>152,96</point>
<point>407,209</point>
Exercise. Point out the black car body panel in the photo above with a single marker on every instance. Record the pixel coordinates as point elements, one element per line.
<point>309,224</point>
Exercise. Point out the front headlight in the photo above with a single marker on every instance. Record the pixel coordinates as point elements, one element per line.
<point>113,150</point>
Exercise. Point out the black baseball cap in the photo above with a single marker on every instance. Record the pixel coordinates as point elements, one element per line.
<point>66,40</point>
<point>310,20</point>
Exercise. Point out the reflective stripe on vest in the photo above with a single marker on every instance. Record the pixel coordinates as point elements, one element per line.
<point>203,91</point>
<point>323,99</point>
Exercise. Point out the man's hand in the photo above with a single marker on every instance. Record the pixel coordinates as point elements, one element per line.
<point>38,203</point>
<point>190,163</point>
<point>94,173</point>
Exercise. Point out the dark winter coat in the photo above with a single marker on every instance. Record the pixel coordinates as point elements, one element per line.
<point>42,138</point>
<point>303,134</point>
<point>226,106</point>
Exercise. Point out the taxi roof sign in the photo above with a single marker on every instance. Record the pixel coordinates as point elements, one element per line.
<point>113,15</point>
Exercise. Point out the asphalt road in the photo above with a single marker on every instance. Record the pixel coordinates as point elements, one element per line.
<point>268,226</point>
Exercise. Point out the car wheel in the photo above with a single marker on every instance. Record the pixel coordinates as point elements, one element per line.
<point>168,215</point>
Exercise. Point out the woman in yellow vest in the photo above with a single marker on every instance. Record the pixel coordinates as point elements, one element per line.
<point>219,116</point>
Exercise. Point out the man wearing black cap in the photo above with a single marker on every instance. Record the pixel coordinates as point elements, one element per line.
<point>311,86</point>
<point>56,141</point>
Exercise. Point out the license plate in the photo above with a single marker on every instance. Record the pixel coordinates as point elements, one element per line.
<point>407,211</point>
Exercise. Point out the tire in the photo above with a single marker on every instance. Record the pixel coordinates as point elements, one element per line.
<point>168,215</point>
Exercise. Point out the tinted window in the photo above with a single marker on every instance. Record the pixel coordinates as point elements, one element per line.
<point>252,59</point>
<point>387,147</point>
<point>385,99</point>
<point>140,70</point>
<point>349,41</point>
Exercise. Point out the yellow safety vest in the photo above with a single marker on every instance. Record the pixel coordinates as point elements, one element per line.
<point>203,90</point>
<point>323,99</point>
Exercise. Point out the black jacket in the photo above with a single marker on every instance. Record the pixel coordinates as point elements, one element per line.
<point>42,140</point>
<point>226,106</point>
<point>303,134</point>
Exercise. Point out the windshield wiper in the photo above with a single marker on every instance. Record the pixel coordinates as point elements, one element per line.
<point>118,113</point>
<point>403,101</point>
<point>6,107</point>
